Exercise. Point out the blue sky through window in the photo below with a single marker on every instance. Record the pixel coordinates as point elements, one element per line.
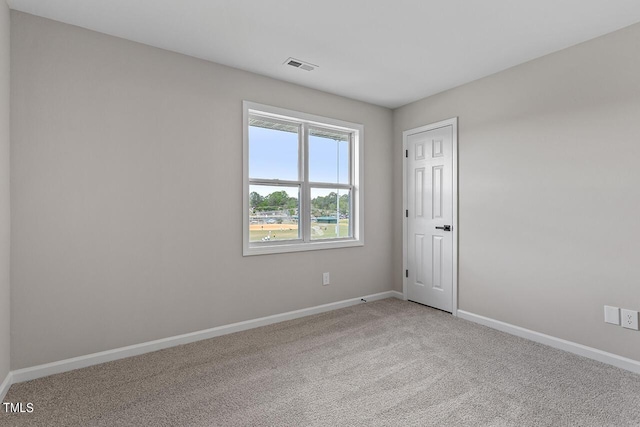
<point>328,160</point>
<point>273,154</point>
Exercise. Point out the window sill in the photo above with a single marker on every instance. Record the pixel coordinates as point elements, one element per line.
<point>300,247</point>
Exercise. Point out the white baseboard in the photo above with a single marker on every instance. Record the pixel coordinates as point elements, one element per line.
<point>559,343</point>
<point>66,365</point>
<point>396,294</point>
<point>4,387</point>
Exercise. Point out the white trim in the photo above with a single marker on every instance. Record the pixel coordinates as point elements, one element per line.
<point>453,122</point>
<point>302,247</point>
<point>356,184</point>
<point>454,186</point>
<point>559,343</point>
<point>5,386</point>
<point>66,365</point>
<point>245,178</point>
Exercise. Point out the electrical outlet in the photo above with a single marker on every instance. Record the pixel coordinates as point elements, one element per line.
<point>325,279</point>
<point>629,319</point>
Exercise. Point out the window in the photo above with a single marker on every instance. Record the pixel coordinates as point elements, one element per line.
<point>302,181</point>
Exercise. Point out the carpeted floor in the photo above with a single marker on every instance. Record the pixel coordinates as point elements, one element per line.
<point>388,363</point>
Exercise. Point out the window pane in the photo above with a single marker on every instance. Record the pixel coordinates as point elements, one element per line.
<point>273,150</point>
<point>328,156</point>
<point>273,213</point>
<point>330,213</point>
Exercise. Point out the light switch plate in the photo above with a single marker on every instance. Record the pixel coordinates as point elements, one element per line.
<point>612,315</point>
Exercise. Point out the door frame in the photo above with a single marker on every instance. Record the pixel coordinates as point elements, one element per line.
<point>405,135</point>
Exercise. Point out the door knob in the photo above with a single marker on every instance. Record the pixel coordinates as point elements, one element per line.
<point>444,227</point>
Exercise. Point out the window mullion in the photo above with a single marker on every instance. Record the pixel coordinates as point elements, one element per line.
<point>330,185</point>
<point>305,218</point>
<point>273,182</point>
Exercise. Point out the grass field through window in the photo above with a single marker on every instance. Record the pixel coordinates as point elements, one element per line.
<point>276,232</point>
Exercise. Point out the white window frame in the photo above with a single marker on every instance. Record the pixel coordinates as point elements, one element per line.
<point>356,159</point>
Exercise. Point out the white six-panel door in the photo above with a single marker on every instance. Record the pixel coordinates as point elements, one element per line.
<point>430,216</point>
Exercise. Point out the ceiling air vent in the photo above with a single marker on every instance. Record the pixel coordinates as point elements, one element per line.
<point>300,64</point>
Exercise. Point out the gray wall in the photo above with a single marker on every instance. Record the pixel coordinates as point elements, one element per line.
<point>549,192</point>
<point>126,180</point>
<point>4,192</point>
<point>127,208</point>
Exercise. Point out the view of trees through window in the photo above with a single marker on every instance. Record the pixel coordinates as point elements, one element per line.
<point>295,167</point>
<point>275,215</point>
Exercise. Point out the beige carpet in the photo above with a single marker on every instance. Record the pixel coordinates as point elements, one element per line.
<point>386,363</point>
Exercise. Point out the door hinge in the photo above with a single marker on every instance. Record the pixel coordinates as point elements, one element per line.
<point>406,153</point>
<point>406,273</point>
<point>406,213</point>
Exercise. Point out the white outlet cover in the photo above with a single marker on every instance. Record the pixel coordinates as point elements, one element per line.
<point>629,319</point>
<point>326,279</point>
<point>612,315</point>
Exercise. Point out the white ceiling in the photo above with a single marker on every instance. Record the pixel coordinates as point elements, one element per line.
<point>388,52</point>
